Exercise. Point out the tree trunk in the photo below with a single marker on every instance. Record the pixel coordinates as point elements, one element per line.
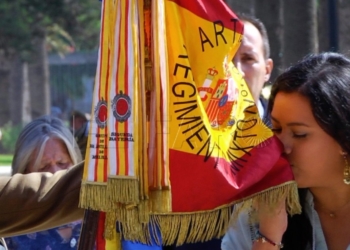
<point>19,96</point>
<point>15,98</point>
<point>5,76</point>
<point>39,79</point>
<point>344,26</point>
<point>300,30</point>
<point>323,25</point>
<point>26,107</point>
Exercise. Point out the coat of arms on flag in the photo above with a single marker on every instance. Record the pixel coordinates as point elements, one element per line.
<point>177,139</point>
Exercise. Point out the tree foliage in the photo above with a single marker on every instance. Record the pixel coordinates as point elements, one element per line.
<point>83,23</point>
<point>64,20</point>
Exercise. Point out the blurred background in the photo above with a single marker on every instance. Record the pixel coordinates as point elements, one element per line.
<point>48,50</point>
<point>48,57</point>
<point>299,27</point>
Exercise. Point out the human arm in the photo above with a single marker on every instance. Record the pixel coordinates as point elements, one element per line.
<point>242,234</point>
<point>272,225</point>
<point>39,201</point>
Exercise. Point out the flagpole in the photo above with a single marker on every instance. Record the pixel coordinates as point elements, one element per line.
<point>88,230</point>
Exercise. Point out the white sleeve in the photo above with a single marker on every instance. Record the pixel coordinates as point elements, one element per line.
<point>239,236</point>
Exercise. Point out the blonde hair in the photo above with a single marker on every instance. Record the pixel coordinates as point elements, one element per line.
<point>33,138</point>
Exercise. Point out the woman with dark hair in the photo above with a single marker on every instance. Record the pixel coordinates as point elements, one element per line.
<point>310,111</point>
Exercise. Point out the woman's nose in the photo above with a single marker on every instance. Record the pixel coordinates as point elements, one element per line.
<point>287,146</point>
<point>54,168</point>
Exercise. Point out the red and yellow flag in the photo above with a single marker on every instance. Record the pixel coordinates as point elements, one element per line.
<point>176,138</point>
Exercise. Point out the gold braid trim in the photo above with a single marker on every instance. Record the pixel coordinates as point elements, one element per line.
<point>180,228</point>
<point>123,189</point>
<point>93,196</point>
<point>130,220</point>
<point>138,223</point>
<point>110,229</point>
<point>271,197</point>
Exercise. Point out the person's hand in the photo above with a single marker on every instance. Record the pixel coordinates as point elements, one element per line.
<point>272,224</point>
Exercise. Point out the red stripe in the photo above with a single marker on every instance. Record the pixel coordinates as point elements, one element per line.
<point>100,241</point>
<point>212,11</point>
<point>116,91</point>
<point>198,185</point>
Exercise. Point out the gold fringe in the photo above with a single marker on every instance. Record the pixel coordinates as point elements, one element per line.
<point>160,200</point>
<point>138,224</point>
<point>93,196</point>
<point>110,225</point>
<point>132,217</point>
<point>174,228</point>
<point>144,211</point>
<point>131,227</point>
<point>271,197</point>
<point>123,189</point>
<point>180,228</point>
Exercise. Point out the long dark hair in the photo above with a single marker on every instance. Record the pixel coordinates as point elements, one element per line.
<point>324,79</point>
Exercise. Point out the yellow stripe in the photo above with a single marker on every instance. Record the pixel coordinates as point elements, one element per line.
<point>114,244</point>
<point>136,85</point>
<point>121,81</point>
<point>159,156</point>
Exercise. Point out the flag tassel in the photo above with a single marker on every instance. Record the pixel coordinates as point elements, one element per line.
<point>123,189</point>
<point>92,196</point>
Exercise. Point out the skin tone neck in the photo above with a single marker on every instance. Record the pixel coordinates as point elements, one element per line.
<point>335,199</point>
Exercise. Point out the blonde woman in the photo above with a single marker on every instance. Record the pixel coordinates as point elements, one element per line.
<point>46,145</point>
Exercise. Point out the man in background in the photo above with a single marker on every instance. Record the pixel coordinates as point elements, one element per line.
<point>77,120</point>
<point>253,61</point>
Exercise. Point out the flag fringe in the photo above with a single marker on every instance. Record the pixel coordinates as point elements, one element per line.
<point>160,200</point>
<point>139,222</point>
<point>93,196</point>
<point>180,228</point>
<point>272,197</point>
<point>123,189</point>
<point>110,229</point>
<point>129,219</point>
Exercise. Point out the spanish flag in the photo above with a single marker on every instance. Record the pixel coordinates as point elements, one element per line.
<point>176,140</point>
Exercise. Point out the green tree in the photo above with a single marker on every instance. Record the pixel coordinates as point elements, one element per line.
<point>82,22</point>
<point>28,29</point>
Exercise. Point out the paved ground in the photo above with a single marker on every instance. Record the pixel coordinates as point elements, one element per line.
<point>5,170</point>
